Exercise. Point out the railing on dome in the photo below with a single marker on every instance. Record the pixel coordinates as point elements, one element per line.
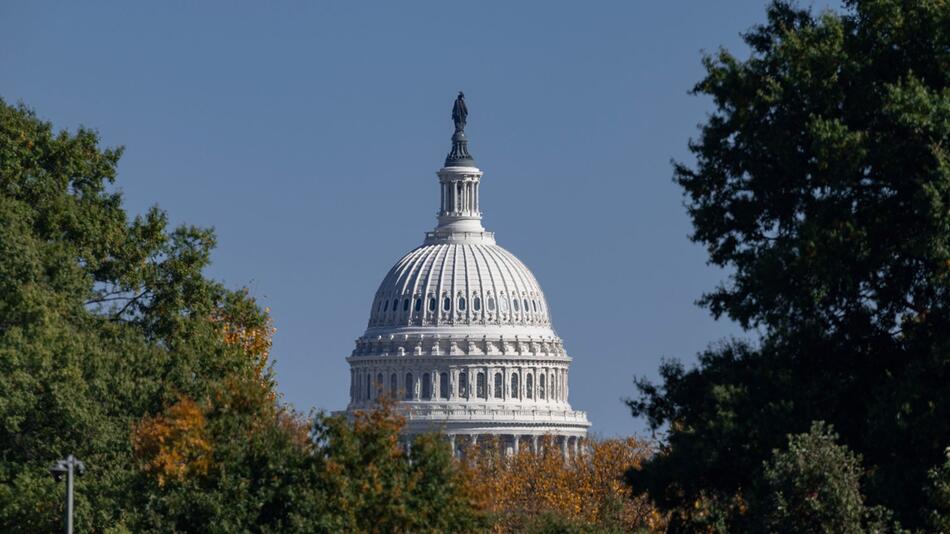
<point>457,235</point>
<point>496,414</point>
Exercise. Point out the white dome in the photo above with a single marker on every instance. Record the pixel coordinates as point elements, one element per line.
<point>460,335</point>
<point>458,284</point>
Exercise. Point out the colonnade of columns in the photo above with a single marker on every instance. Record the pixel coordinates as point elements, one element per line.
<point>459,197</point>
<point>469,383</point>
<point>510,444</point>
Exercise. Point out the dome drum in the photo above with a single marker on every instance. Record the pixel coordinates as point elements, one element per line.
<point>428,345</point>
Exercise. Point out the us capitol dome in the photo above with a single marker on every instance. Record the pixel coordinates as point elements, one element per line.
<point>460,334</point>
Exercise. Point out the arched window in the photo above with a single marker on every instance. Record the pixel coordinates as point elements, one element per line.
<point>461,303</point>
<point>446,304</point>
<point>526,308</point>
<point>541,386</point>
<point>393,386</point>
<point>515,390</point>
<point>491,303</point>
<point>379,385</point>
<point>426,386</point>
<point>481,388</point>
<point>514,305</point>
<point>534,305</point>
<point>499,386</point>
<point>529,386</point>
<point>463,384</point>
<point>431,304</point>
<point>418,305</point>
<point>395,304</point>
<point>477,304</point>
<point>553,387</point>
<point>405,305</point>
<point>410,386</point>
<point>369,386</point>
<point>444,386</point>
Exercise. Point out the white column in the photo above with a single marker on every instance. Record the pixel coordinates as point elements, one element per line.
<point>468,383</point>
<point>471,198</point>
<point>466,196</point>
<point>505,384</point>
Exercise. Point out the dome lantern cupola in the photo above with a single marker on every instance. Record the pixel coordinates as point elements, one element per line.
<point>460,219</point>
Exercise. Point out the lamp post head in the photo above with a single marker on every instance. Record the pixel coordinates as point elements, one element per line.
<point>61,468</point>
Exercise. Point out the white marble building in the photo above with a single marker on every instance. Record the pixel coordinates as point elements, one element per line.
<point>460,333</point>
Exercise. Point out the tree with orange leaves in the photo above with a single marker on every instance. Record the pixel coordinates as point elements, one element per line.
<point>531,491</point>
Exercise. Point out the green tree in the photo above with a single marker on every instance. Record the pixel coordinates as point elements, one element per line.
<point>822,182</point>
<point>106,322</point>
<point>373,484</point>
<point>115,347</point>
<point>814,485</point>
<point>938,492</point>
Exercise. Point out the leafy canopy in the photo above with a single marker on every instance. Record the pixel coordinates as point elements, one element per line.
<point>115,347</point>
<point>822,182</point>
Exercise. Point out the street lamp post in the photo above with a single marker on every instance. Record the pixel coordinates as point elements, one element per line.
<point>67,468</point>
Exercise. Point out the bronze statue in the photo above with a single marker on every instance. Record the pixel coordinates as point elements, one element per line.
<point>459,112</point>
<point>459,156</point>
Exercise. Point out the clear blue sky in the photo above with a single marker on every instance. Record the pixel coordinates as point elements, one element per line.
<point>308,135</point>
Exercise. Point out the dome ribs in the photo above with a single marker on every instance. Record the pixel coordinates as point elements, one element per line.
<point>507,267</point>
<point>455,280</point>
<point>439,290</point>
<point>481,287</point>
<point>417,267</point>
<point>531,283</point>
<point>453,270</point>
<point>433,257</point>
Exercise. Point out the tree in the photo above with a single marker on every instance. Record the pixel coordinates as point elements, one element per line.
<point>112,341</point>
<point>938,492</point>
<point>814,485</point>
<point>372,484</point>
<point>822,183</point>
<point>543,492</point>
<point>115,347</point>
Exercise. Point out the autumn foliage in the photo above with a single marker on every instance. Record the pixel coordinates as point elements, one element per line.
<point>174,444</point>
<point>177,443</point>
<point>586,491</point>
